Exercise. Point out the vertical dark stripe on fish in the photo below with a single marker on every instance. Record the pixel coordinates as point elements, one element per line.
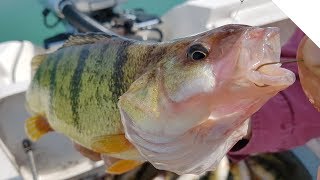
<point>75,85</point>
<point>41,70</point>
<point>53,72</point>
<point>101,55</point>
<point>37,75</point>
<point>118,85</point>
<point>100,63</point>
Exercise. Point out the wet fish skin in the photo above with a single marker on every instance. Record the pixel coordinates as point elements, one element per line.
<point>77,88</point>
<point>184,115</point>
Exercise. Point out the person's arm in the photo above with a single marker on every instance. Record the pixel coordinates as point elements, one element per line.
<point>285,121</point>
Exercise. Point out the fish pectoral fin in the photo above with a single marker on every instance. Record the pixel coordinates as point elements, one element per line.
<point>109,144</point>
<point>36,127</point>
<point>123,166</point>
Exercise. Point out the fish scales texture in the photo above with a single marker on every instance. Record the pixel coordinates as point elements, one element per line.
<point>79,86</point>
<point>181,104</point>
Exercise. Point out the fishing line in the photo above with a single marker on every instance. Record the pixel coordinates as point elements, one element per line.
<point>282,62</point>
<point>270,63</point>
<point>236,14</point>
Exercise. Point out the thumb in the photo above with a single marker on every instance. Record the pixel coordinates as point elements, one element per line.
<point>309,52</point>
<point>309,70</point>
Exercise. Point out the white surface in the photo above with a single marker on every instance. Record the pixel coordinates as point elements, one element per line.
<point>15,59</point>
<point>305,14</point>
<point>82,5</point>
<point>196,16</point>
<point>8,171</point>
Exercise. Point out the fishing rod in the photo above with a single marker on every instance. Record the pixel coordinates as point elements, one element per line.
<point>81,21</point>
<point>27,147</point>
<point>99,16</point>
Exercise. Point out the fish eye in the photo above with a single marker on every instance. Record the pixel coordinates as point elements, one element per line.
<point>197,52</point>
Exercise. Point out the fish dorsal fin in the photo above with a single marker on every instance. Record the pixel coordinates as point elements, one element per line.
<point>86,38</point>
<point>36,61</point>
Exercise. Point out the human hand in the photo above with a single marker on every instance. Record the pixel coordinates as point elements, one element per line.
<point>310,53</point>
<point>309,70</point>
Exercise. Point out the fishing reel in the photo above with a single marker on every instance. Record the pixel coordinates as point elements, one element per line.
<point>81,16</point>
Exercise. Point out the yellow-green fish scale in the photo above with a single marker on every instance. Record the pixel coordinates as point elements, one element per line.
<point>79,86</point>
<point>98,114</point>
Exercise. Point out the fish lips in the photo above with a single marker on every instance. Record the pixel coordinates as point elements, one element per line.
<point>271,75</point>
<point>268,70</point>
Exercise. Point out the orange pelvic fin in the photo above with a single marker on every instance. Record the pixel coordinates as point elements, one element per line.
<point>36,127</point>
<point>123,166</point>
<point>109,144</point>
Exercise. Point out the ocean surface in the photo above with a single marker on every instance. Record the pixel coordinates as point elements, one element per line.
<point>23,20</point>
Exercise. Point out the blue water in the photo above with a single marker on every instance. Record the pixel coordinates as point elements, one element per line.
<point>23,20</point>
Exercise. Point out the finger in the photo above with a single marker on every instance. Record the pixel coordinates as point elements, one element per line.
<point>309,70</point>
<point>94,156</point>
<point>309,52</point>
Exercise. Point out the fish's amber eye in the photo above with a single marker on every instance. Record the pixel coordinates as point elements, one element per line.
<point>197,52</point>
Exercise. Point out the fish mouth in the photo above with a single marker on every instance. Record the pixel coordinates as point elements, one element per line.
<point>271,75</point>
<point>267,70</point>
